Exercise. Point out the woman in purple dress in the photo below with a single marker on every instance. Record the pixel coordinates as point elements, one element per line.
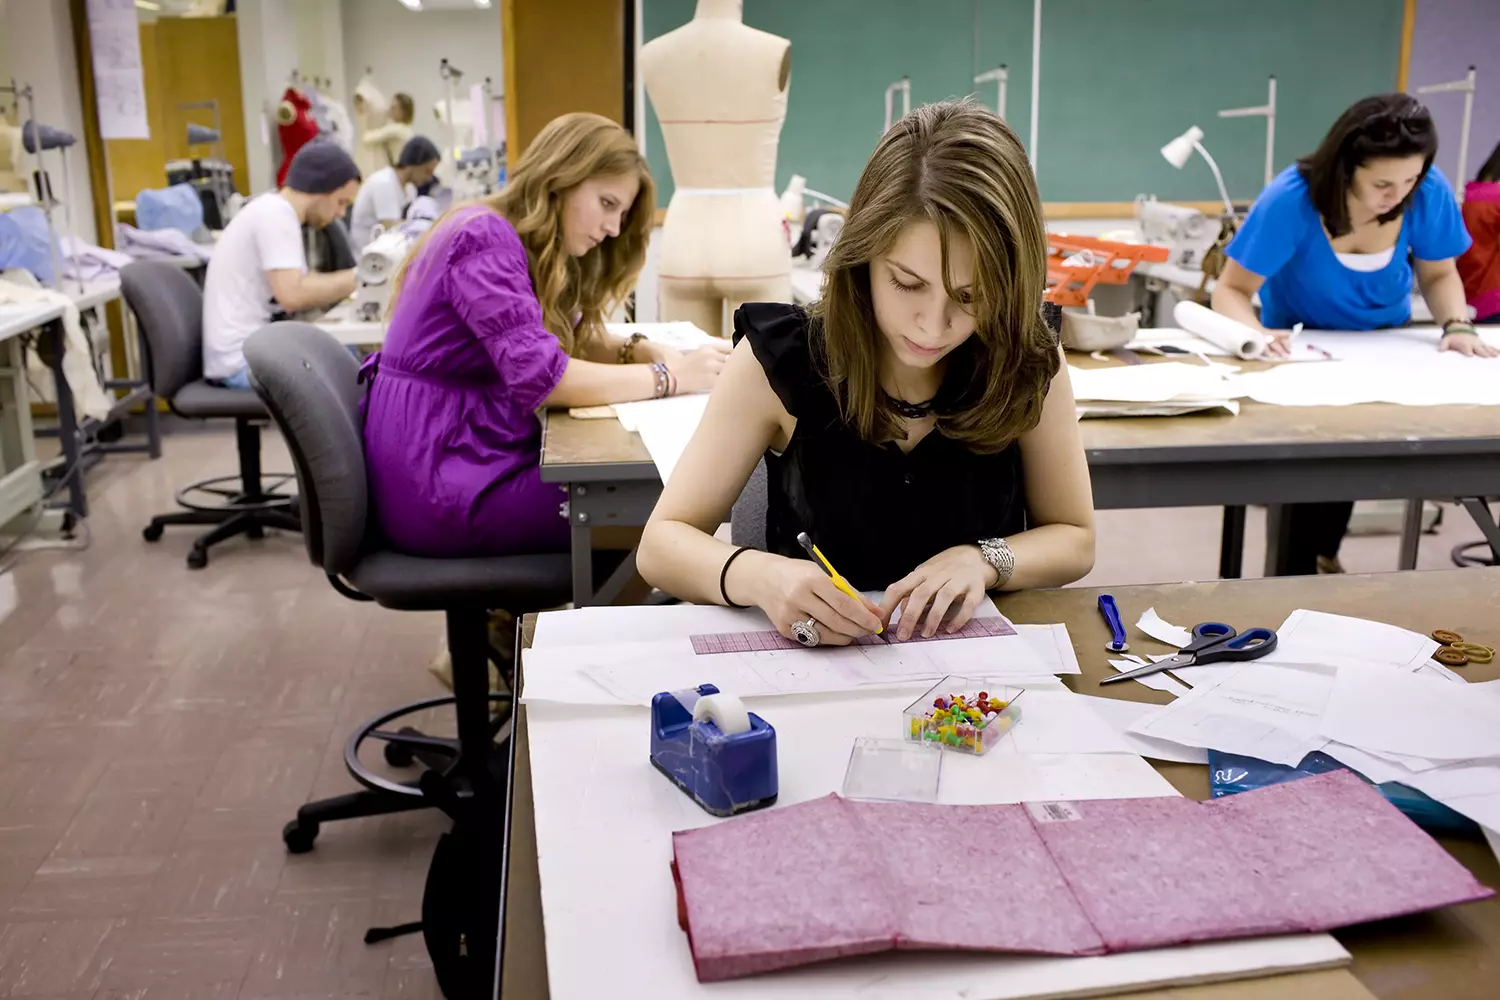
<point>498,312</point>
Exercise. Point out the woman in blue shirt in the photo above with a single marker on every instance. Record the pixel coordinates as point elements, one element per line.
<point>1330,244</point>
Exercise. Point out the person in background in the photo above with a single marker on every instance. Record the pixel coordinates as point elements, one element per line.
<point>497,312</point>
<point>260,261</point>
<point>384,195</point>
<point>918,424</point>
<point>392,137</point>
<point>1479,267</point>
<point>1331,242</point>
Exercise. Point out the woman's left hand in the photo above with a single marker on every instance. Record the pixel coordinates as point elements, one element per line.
<point>956,577</point>
<point>1467,344</point>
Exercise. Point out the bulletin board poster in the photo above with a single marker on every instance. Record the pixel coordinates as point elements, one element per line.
<point>119,84</point>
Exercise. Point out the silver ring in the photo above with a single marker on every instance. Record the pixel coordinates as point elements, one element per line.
<point>806,632</point>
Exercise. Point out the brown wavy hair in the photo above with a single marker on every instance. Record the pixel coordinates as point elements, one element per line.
<point>960,167</point>
<point>564,154</point>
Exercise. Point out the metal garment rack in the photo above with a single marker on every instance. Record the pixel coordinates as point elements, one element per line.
<point>1267,111</point>
<point>1465,87</point>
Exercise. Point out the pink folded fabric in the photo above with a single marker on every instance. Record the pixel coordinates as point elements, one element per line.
<point>834,878</point>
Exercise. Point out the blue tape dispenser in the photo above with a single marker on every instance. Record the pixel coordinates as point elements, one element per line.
<point>722,756</point>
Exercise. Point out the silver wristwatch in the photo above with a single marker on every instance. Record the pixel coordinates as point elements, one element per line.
<point>997,553</point>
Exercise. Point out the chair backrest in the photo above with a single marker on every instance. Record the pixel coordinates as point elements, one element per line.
<point>310,384</point>
<point>747,520</point>
<point>168,304</point>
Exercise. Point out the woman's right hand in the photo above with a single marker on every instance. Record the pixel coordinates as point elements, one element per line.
<point>792,590</point>
<point>696,371</point>
<point>1280,345</point>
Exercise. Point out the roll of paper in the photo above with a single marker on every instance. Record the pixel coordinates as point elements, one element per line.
<point>723,710</point>
<point>1227,334</point>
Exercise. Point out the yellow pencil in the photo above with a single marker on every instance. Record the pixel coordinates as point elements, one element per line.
<point>838,580</point>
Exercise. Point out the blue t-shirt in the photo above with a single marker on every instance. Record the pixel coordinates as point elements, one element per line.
<point>1283,241</point>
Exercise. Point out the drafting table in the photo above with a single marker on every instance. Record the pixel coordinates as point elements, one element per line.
<point>20,472</point>
<point>1448,955</point>
<point>1273,455</point>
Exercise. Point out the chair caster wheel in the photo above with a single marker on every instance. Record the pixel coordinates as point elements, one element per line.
<point>255,531</point>
<point>398,755</point>
<point>299,836</point>
<point>152,532</point>
<point>197,559</point>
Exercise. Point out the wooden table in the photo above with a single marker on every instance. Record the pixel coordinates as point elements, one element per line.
<point>1452,954</point>
<point>1272,455</point>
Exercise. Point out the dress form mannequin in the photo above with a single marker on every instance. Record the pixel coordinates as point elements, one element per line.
<point>719,90</point>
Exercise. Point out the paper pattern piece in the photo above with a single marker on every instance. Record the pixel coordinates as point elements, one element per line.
<point>119,84</point>
<point>832,878</point>
<point>665,426</point>
<point>1163,631</point>
<point>1392,710</point>
<point>1055,720</point>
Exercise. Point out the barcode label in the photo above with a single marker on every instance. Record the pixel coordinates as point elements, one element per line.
<point>1054,812</point>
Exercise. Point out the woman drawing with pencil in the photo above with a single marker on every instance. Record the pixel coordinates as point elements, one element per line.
<point>1330,244</point>
<point>916,424</point>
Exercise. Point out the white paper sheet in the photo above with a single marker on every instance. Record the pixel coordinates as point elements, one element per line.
<point>665,426</point>
<point>1471,788</point>
<point>1163,631</point>
<point>1156,682</point>
<point>1179,340</point>
<point>1494,841</point>
<point>1170,381</point>
<point>680,335</point>
<point>1258,710</point>
<point>1376,707</point>
<point>1055,720</point>
<point>1338,640</point>
<point>1120,715</point>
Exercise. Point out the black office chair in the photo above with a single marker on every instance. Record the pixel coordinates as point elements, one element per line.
<point>168,304</point>
<point>310,386</point>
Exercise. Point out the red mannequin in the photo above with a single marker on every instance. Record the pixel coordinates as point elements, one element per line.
<point>295,126</point>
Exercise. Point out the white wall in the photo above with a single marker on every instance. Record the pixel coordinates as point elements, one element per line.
<point>402,48</point>
<point>37,39</point>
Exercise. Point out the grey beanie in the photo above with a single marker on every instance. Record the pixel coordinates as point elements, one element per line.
<point>320,167</point>
<point>418,150</point>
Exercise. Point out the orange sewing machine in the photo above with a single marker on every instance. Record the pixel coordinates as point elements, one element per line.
<point>1075,264</point>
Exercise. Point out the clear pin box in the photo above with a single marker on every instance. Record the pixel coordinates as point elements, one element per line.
<point>893,771</point>
<point>963,714</point>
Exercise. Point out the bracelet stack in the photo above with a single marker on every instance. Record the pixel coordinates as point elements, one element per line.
<point>627,349</point>
<point>1458,326</point>
<point>666,382</point>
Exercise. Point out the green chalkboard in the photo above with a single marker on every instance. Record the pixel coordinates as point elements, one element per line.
<point>1119,78</point>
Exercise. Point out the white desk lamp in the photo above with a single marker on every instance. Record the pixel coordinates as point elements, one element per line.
<point>1465,87</point>
<point>1181,149</point>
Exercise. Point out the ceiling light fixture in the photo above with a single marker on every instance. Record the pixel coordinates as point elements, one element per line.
<point>412,4</point>
<point>147,5</point>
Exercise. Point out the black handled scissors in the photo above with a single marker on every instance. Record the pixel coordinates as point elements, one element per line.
<point>1213,642</point>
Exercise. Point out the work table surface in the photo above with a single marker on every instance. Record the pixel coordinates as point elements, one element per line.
<point>1453,954</point>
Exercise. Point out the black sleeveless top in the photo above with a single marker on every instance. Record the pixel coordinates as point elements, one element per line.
<point>876,513</point>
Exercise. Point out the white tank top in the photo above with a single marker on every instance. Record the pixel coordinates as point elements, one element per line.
<point>1366,261</point>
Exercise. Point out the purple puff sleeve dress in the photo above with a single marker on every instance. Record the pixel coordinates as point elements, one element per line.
<point>452,437</point>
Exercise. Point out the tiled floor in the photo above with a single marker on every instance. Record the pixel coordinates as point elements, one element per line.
<point>158,726</point>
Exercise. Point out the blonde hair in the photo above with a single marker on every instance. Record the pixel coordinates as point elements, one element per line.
<point>568,151</point>
<point>960,167</point>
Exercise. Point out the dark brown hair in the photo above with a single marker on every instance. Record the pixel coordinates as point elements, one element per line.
<point>960,167</point>
<point>1380,127</point>
<point>1490,171</point>
<point>407,106</point>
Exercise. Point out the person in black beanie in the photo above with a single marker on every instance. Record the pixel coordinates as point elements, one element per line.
<point>260,261</point>
<point>384,195</point>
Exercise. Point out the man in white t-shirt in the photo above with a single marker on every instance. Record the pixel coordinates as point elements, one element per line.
<point>385,194</point>
<point>260,262</point>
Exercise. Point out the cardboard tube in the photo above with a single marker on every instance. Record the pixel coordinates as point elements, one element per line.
<point>1227,334</point>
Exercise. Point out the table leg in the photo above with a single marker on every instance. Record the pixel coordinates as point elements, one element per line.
<point>1278,537</point>
<point>1480,512</point>
<point>1411,534</point>
<point>1232,544</point>
<point>583,562</point>
<point>52,343</point>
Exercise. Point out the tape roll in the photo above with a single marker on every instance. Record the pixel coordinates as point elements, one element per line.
<point>725,711</point>
<point>1224,333</point>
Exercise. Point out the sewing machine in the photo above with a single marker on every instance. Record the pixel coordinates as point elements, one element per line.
<point>1187,233</point>
<point>376,271</point>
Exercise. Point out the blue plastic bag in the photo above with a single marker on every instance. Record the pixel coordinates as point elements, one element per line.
<point>176,207</point>
<point>1230,773</point>
<point>24,242</point>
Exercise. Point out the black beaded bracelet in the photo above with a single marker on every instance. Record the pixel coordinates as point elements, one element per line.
<point>724,575</point>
